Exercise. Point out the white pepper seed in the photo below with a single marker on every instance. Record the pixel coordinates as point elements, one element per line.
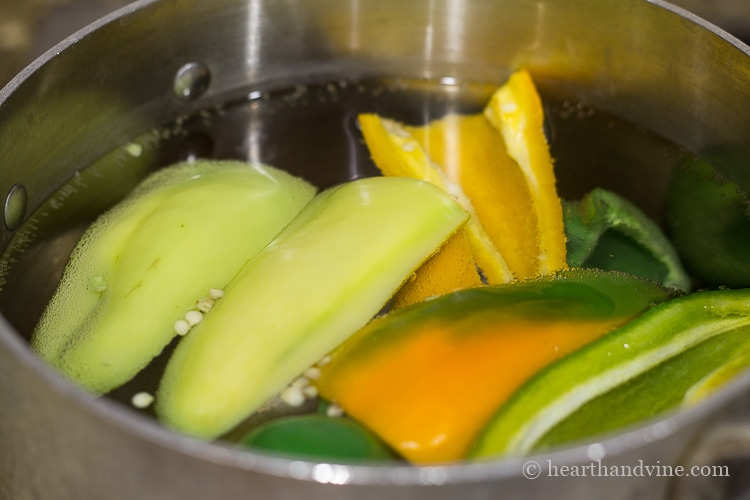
<point>204,305</point>
<point>292,396</point>
<point>181,327</point>
<point>193,317</point>
<point>334,410</point>
<point>310,391</point>
<point>300,383</point>
<point>313,373</point>
<point>142,400</point>
<point>216,293</point>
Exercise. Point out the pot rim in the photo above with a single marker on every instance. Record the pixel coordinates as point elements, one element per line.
<point>225,454</point>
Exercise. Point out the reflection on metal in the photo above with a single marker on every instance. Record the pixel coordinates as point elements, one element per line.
<point>191,81</point>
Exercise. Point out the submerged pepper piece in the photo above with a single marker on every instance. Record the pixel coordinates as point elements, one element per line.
<point>515,110</point>
<point>323,278</point>
<point>452,268</point>
<point>643,369</point>
<point>735,364</point>
<point>320,438</point>
<point>497,165</point>
<point>708,216</point>
<point>606,231</point>
<point>141,266</point>
<point>428,378</point>
<point>472,154</point>
<point>398,154</point>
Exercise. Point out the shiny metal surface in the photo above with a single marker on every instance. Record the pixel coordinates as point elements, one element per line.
<point>29,28</point>
<point>730,15</point>
<point>644,61</point>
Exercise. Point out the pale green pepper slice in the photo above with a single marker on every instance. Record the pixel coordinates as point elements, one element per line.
<point>143,265</point>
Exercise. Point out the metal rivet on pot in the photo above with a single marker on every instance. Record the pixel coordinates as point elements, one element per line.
<point>15,206</point>
<point>191,81</point>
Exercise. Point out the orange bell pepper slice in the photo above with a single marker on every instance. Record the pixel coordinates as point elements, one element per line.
<point>428,378</point>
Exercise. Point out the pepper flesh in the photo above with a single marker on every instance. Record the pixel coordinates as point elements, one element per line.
<point>497,165</point>
<point>398,154</point>
<point>709,197</point>
<point>317,437</point>
<point>141,266</point>
<point>452,268</point>
<point>516,111</point>
<point>643,368</point>
<point>606,231</point>
<point>428,377</point>
<point>473,155</point>
<point>324,277</point>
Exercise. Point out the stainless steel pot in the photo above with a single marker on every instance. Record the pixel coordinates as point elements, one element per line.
<point>160,62</point>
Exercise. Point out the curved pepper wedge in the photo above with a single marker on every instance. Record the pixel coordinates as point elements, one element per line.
<point>398,154</point>
<point>323,278</point>
<point>427,378</point>
<point>497,165</point>
<point>673,354</point>
<point>606,231</point>
<point>516,112</point>
<point>318,437</point>
<point>141,266</point>
<point>708,216</point>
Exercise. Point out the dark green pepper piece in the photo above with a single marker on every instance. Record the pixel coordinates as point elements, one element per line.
<point>318,437</point>
<point>606,231</point>
<point>708,217</point>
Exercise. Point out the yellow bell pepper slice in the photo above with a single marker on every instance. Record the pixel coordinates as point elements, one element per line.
<point>397,153</point>
<point>497,165</point>
<point>515,110</point>
<point>473,155</point>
